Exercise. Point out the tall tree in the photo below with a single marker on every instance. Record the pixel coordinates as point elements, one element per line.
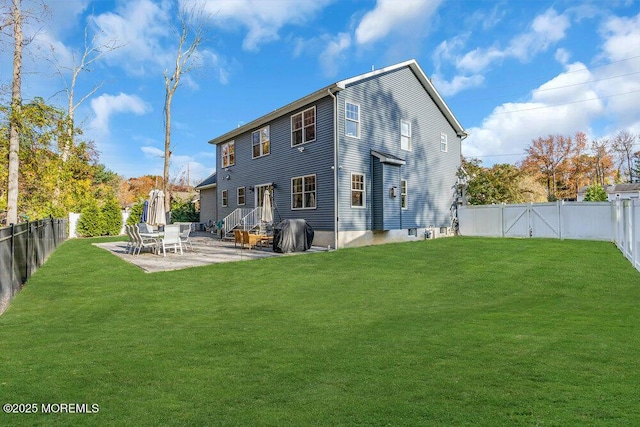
<point>623,145</point>
<point>602,162</point>
<point>14,115</point>
<point>93,52</point>
<point>548,156</point>
<point>190,34</point>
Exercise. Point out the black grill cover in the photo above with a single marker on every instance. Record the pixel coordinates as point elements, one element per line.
<point>292,235</point>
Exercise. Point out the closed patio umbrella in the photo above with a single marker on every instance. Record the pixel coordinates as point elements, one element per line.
<point>157,214</point>
<point>145,211</point>
<point>266,215</point>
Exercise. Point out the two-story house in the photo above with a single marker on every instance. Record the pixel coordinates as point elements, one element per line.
<point>366,160</point>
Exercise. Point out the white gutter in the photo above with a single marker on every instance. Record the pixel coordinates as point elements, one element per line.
<point>335,168</point>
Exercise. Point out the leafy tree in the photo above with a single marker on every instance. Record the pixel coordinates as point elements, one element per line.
<point>498,184</point>
<point>111,217</point>
<point>184,211</point>
<point>91,223</point>
<point>595,193</point>
<point>548,157</point>
<point>135,213</point>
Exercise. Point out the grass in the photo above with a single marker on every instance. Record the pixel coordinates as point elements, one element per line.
<point>459,331</point>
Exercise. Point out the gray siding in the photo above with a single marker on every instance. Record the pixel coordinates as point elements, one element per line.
<point>208,205</point>
<point>385,100</point>
<point>284,163</point>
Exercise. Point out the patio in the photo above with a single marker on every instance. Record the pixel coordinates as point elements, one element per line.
<point>207,249</point>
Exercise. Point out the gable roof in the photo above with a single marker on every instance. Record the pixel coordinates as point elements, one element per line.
<point>208,182</point>
<point>340,85</point>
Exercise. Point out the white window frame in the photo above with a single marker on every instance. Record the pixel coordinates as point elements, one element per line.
<point>444,142</point>
<point>225,198</point>
<point>404,190</point>
<point>347,119</point>
<point>304,193</point>
<point>304,126</point>
<point>363,190</point>
<point>404,137</point>
<point>244,196</point>
<point>264,140</point>
<point>225,153</point>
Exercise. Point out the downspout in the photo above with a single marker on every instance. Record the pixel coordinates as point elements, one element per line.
<point>335,168</point>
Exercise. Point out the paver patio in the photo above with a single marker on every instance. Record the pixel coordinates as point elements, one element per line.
<point>207,249</point>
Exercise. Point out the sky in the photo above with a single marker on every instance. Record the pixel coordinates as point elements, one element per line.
<point>510,71</point>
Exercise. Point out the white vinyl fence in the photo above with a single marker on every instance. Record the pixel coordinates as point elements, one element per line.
<point>617,221</point>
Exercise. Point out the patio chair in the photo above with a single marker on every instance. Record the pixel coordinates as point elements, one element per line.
<point>131,242</point>
<point>143,242</point>
<point>145,228</point>
<point>171,238</point>
<point>237,235</point>
<point>185,231</point>
<point>252,240</point>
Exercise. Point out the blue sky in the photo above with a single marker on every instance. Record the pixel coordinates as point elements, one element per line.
<point>510,71</point>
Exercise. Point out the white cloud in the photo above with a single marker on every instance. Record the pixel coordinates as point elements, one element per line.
<point>139,27</point>
<point>458,84</point>
<point>106,105</point>
<point>563,105</point>
<point>262,19</point>
<point>334,53</point>
<point>391,15</point>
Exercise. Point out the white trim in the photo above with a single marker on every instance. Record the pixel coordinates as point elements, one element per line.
<point>405,194</point>
<point>315,126</point>
<point>244,195</point>
<point>364,190</point>
<point>261,142</point>
<point>445,143</point>
<point>357,122</point>
<point>410,136</point>
<point>222,197</point>
<point>315,192</point>
<point>228,156</point>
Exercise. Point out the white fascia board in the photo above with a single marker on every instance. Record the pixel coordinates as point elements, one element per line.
<point>426,83</point>
<point>278,113</point>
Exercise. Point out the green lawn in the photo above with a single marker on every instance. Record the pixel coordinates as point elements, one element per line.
<point>458,331</point>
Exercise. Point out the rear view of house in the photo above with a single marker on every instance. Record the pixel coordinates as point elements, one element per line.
<point>366,160</point>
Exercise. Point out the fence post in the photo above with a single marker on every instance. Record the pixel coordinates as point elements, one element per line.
<point>26,258</point>
<point>11,251</point>
<point>502,219</point>
<point>560,204</point>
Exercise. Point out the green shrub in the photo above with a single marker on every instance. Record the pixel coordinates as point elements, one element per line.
<point>595,193</point>
<point>111,218</point>
<point>184,211</point>
<point>135,213</point>
<point>90,223</point>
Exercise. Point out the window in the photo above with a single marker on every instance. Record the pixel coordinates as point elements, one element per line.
<point>228,154</point>
<point>405,135</point>
<point>357,190</point>
<point>352,120</point>
<point>444,145</point>
<point>303,192</point>
<point>241,197</point>
<point>261,142</point>
<point>225,198</point>
<point>403,193</point>
<point>303,127</point>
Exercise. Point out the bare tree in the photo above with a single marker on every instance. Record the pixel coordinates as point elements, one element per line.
<point>623,145</point>
<point>92,53</point>
<point>14,118</point>
<point>190,35</point>
<point>603,163</point>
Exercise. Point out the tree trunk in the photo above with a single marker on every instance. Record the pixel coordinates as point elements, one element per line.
<point>15,119</point>
<point>167,148</point>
